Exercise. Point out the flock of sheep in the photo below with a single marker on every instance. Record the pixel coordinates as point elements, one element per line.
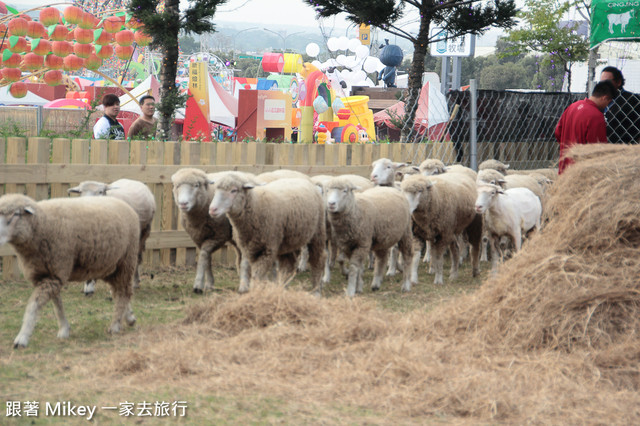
<point>278,222</point>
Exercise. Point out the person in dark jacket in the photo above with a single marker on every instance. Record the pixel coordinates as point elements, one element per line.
<point>623,114</point>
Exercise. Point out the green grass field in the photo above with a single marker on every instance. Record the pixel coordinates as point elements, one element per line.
<point>47,370</point>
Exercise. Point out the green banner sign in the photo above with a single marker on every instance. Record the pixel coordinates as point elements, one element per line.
<point>614,20</point>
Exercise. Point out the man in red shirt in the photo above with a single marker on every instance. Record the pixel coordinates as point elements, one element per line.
<point>583,121</point>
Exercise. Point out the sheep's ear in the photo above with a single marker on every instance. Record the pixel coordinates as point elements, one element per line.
<point>501,182</point>
<point>211,182</point>
<point>356,188</point>
<point>506,166</point>
<point>416,168</point>
<point>320,188</point>
<point>398,165</point>
<point>248,185</point>
<point>500,191</point>
<point>74,190</point>
<point>29,210</point>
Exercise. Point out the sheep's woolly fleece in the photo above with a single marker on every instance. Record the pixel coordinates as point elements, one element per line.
<point>552,339</point>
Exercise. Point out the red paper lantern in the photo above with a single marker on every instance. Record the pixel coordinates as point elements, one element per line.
<point>18,89</point>
<point>134,23</point>
<point>41,47</point>
<point>142,39</point>
<point>11,74</point>
<point>73,14</point>
<point>124,52</point>
<point>58,33</point>
<point>102,37</point>
<point>72,63</point>
<point>18,44</point>
<point>25,17</point>
<point>36,30</point>
<point>3,9</point>
<point>112,24</point>
<point>103,52</point>
<point>93,62</point>
<point>32,62</point>
<point>18,26</point>
<point>124,38</point>
<point>83,35</point>
<point>88,21</point>
<point>61,48</point>
<point>49,16</point>
<point>11,60</point>
<point>82,50</point>
<point>53,62</point>
<point>53,77</point>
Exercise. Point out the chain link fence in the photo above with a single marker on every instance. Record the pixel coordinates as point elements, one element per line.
<point>515,127</point>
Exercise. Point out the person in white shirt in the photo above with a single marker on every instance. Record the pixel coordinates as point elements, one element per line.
<point>107,127</point>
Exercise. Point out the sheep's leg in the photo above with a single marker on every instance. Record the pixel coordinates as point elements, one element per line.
<point>304,260</point>
<point>493,243</point>
<point>430,252</point>
<point>405,246</point>
<point>122,306</point>
<point>427,254</point>
<point>356,265</point>
<point>89,287</point>
<point>378,269</point>
<point>41,294</point>
<point>286,268</point>
<point>63,324</point>
<point>144,235</point>
<point>318,261</point>
<point>415,264</point>
<point>485,243</point>
<point>203,268</point>
<point>326,276</point>
<point>245,274</point>
<point>437,262</point>
<point>393,262</point>
<point>455,260</point>
<point>262,266</point>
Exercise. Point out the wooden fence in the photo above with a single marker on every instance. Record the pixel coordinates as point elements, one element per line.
<point>43,168</point>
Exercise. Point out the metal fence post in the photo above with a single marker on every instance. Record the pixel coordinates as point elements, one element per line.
<point>473,134</point>
<point>39,120</point>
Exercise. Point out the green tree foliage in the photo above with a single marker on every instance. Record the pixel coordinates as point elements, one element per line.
<point>503,76</point>
<point>458,17</point>
<point>188,45</point>
<point>545,32</point>
<point>164,26</point>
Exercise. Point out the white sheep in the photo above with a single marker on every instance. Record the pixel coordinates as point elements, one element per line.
<point>432,166</point>
<point>65,239</point>
<point>443,207</point>
<point>373,220</point>
<point>192,194</point>
<point>132,192</point>
<point>511,212</point>
<point>383,172</point>
<point>267,177</point>
<point>273,222</point>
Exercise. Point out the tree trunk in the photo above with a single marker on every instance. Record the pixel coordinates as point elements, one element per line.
<point>420,46</point>
<point>169,71</point>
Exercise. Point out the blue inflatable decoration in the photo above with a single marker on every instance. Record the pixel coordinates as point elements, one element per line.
<point>391,56</point>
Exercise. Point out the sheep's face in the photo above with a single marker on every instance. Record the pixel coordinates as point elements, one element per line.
<point>432,167</point>
<point>229,197</point>
<point>188,193</point>
<point>339,197</point>
<point>416,190</point>
<point>486,195</point>
<point>89,189</point>
<point>12,217</point>
<point>384,171</point>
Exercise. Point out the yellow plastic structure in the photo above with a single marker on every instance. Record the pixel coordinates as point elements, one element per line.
<point>360,114</point>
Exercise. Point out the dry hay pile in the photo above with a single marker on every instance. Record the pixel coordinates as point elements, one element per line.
<point>552,339</point>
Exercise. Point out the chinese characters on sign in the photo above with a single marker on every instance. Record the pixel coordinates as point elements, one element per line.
<point>458,46</point>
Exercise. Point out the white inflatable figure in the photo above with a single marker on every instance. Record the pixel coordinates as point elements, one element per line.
<point>363,136</point>
<point>338,84</point>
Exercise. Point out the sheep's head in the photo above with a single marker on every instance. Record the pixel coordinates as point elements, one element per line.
<point>13,209</point>
<point>494,165</point>
<point>486,194</point>
<point>340,195</point>
<point>432,166</point>
<point>384,171</point>
<point>190,188</point>
<point>491,176</point>
<point>89,188</point>
<point>230,192</point>
<point>416,190</point>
